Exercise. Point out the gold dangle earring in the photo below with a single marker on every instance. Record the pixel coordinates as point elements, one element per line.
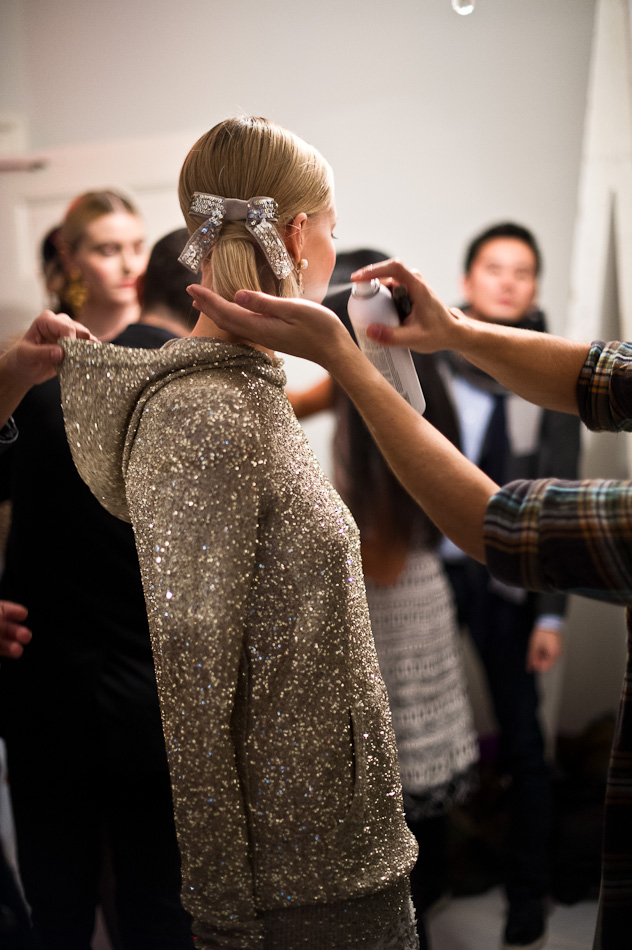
<point>75,292</point>
<point>300,267</point>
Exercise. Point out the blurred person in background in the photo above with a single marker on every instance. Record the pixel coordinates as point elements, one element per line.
<point>79,712</point>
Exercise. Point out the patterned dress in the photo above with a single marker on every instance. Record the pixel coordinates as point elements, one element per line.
<point>417,641</point>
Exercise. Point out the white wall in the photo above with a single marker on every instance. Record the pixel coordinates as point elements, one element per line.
<point>435,124</point>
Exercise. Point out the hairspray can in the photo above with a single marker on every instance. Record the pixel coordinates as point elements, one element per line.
<point>371,302</point>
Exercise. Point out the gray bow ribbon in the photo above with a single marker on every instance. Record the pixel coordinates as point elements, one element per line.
<point>260,215</point>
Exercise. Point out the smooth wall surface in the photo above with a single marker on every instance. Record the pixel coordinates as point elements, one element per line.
<point>435,124</point>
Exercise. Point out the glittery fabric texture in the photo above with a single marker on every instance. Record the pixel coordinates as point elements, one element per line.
<point>281,751</point>
<point>260,217</point>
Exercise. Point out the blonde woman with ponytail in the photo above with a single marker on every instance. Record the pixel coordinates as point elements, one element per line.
<point>283,765</point>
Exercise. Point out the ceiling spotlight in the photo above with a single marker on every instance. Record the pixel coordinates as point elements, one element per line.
<point>463,6</point>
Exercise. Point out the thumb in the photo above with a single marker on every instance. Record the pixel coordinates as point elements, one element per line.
<point>258,302</point>
<point>55,354</point>
<point>38,360</point>
<point>391,336</point>
<point>43,356</point>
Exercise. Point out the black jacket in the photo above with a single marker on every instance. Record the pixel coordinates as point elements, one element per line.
<point>84,691</point>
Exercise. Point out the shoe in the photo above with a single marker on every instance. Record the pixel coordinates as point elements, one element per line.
<point>526,928</point>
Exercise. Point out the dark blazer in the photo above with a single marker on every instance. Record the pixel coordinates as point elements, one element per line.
<point>554,453</point>
<point>84,691</point>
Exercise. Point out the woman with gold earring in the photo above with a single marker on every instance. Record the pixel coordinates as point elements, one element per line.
<point>80,712</point>
<point>101,245</point>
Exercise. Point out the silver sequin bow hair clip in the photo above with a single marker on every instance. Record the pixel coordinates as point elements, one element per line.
<point>260,215</point>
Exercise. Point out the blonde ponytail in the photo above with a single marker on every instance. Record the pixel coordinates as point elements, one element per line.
<point>245,157</point>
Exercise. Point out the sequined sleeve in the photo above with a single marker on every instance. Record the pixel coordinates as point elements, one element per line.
<point>193,497</point>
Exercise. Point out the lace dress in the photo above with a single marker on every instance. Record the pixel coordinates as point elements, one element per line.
<point>417,640</point>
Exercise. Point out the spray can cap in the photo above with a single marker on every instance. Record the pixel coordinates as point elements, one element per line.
<point>363,289</point>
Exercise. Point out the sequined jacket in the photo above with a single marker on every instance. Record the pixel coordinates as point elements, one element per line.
<point>282,757</point>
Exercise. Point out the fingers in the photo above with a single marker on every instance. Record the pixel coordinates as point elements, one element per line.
<point>296,326</point>
<point>12,611</point>
<point>393,336</point>
<point>53,354</point>
<point>48,327</point>
<point>13,636</point>
<point>239,320</point>
<point>248,308</point>
<point>541,664</point>
<point>545,648</point>
<point>283,308</point>
<point>393,269</point>
<point>13,640</point>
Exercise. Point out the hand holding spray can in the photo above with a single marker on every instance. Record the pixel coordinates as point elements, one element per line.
<point>371,302</point>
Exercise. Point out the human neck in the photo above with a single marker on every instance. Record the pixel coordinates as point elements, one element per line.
<point>208,328</point>
<point>164,320</point>
<point>106,321</point>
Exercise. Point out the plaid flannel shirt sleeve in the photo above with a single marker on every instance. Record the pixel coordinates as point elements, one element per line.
<point>575,536</point>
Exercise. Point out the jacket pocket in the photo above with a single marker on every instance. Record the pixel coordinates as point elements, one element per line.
<point>355,812</point>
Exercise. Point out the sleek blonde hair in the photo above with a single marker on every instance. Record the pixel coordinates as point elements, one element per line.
<point>248,157</point>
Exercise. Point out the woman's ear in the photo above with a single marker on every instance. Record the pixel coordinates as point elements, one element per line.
<point>294,236</point>
<point>465,287</point>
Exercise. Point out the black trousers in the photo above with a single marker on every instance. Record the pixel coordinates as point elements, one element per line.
<point>66,823</point>
<point>500,631</point>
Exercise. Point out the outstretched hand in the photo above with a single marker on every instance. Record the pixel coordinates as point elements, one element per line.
<point>296,326</point>
<point>430,324</point>
<point>36,354</point>
<point>33,357</point>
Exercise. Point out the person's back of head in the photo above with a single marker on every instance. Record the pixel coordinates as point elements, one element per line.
<point>349,261</point>
<point>247,157</point>
<point>163,288</point>
<point>54,273</point>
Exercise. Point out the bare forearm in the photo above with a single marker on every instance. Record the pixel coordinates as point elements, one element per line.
<point>450,489</point>
<point>541,368</point>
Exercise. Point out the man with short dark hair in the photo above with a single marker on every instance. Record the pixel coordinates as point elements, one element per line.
<point>516,633</point>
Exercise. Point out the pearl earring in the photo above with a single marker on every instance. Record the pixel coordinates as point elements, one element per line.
<point>300,267</point>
